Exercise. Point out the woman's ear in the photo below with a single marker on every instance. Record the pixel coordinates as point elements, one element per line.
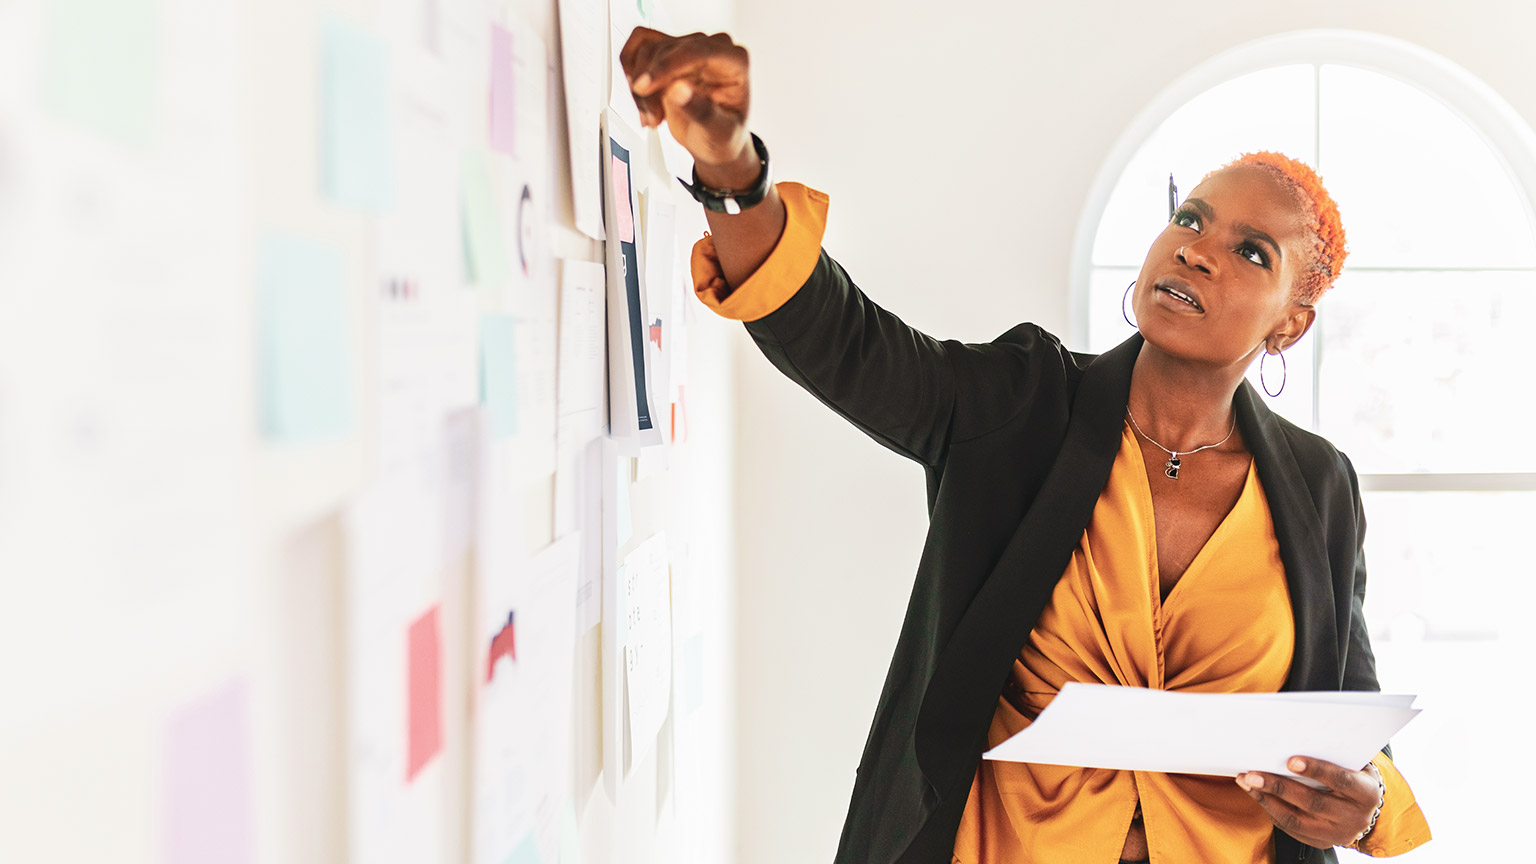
<point>1292,329</point>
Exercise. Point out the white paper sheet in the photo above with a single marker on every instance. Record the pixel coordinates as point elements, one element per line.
<point>584,58</point>
<point>583,363</point>
<point>1222,734</point>
<point>645,606</point>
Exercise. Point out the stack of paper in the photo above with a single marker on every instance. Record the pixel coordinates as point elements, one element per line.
<point>1224,734</point>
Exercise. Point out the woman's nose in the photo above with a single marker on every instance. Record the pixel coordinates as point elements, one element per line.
<point>1194,256</point>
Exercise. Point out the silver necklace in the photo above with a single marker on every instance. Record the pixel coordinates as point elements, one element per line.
<point>1171,467</point>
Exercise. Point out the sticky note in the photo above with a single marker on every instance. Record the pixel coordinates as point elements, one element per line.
<point>303,360</point>
<point>526,852</point>
<point>424,682</point>
<point>207,781</point>
<point>498,373</point>
<point>355,149</point>
<point>625,214</point>
<point>503,81</point>
<point>485,251</point>
<point>101,66</point>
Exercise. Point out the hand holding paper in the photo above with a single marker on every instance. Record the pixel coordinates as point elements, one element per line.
<point>1223,734</point>
<point>1335,815</point>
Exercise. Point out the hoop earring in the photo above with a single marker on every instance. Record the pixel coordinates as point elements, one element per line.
<point>1284,375</point>
<point>1123,313</point>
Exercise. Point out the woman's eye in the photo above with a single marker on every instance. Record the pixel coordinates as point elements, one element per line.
<point>1186,219</point>
<point>1253,254</point>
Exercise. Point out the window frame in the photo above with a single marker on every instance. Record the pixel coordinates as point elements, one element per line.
<point>1510,138</point>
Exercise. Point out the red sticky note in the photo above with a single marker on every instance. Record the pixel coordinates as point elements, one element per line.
<point>626,216</point>
<point>656,333</point>
<point>425,693</point>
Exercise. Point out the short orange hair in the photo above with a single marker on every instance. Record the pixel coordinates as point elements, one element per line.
<point>1318,210</point>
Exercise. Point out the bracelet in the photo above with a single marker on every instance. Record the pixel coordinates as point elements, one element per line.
<point>1381,799</point>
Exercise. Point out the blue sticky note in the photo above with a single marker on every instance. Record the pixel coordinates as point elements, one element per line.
<point>498,373</point>
<point>527,852</point>
<point>303,357</point>
<point>101,66</point>
<point>355,145</point>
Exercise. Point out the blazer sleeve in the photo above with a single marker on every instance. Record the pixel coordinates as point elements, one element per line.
<point>912,393</point>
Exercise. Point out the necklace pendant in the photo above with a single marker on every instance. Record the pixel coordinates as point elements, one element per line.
<point>1172,468</point>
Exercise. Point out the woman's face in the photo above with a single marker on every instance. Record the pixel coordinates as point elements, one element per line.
<point>1232,251</point>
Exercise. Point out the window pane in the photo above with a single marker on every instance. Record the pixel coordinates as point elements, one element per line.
<point>1272,109</point>
<point>1436,558</point>
<point>1415,184</point>
<point>1106,297</point>
<point>1417,371</point>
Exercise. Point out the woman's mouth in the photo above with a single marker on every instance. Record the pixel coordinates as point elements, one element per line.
<point>1180,291</point>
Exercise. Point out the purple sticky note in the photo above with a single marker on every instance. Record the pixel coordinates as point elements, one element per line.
<point>208,815</point>
<point>503,82</point>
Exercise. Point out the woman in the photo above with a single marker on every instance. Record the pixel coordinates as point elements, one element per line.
<point>1136,518</point>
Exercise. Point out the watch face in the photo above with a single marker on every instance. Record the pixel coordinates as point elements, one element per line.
<point>525,228</point>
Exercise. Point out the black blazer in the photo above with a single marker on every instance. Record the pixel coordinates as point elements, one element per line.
<point>1018,436</point>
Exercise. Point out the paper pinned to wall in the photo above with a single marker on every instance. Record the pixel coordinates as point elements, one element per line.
<point>209,813</point>
<point>101,66</point>
<point>355,152</point>
<point>582,364</point>
<point>645,607</point>
<point>584,61</point>
<point>523,709</point>
<point>304,365</point>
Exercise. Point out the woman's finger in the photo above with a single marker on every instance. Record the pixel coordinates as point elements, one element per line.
<point>1287,817</point>
<point>715,59</point>
<point>641,42</point>
<point>1293,792</point>
<point>1354,785</point>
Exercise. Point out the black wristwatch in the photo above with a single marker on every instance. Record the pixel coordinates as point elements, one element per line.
<point>732,201</point>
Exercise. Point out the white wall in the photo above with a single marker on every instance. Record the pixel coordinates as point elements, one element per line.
<point>958,143</point>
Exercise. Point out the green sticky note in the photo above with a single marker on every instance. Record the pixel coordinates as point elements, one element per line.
<point>101,66</point>
<point>527,852</point>
<point>498,373</point>
<point>355,134</point>
<point>303,359</point>
<point>485,251</point>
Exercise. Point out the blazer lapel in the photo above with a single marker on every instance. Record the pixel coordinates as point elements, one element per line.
<point>962,692</point>
<point>1315,662</point>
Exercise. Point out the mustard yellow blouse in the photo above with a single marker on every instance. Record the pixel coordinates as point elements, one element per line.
<point>1225,627</point>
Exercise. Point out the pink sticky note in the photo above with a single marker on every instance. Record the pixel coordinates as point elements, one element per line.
<point>208,806</point>
<point>626,216</point>
<point>503,82</point>
<point>425,711</point>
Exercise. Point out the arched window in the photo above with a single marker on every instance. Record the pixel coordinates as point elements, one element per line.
<point>1416,368</point>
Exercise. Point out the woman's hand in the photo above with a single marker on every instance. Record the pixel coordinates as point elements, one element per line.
<point>698,85</point>
<point>1334,816</point>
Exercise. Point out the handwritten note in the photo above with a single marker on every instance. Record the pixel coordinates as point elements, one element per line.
<point>645,606</point>
<point>303,361</point>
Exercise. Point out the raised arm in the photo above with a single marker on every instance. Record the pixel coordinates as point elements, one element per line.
<point>765,267</point>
